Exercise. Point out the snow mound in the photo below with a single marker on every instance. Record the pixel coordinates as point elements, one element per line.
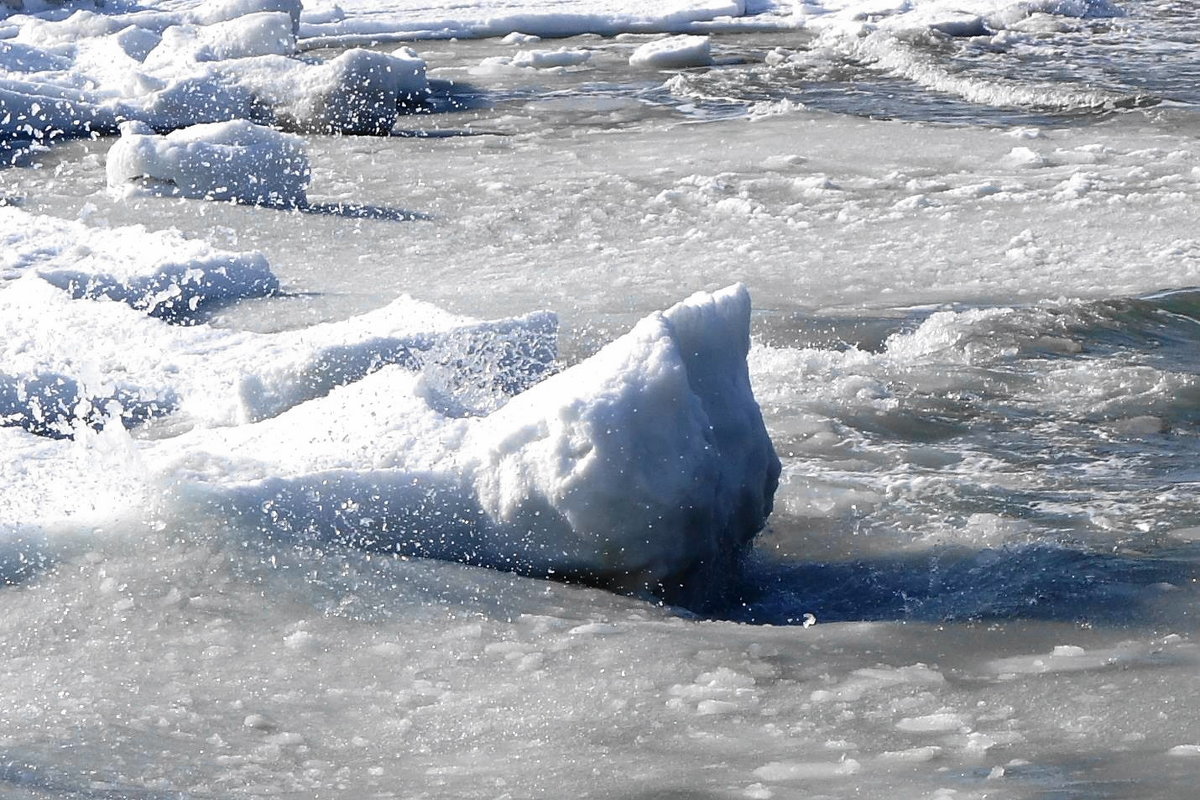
<point>235,160</point>
<point>646,468</point>
<point>674,52</point>
<point>161,273</point>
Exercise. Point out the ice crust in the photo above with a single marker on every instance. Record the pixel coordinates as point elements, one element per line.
<point>674,52</point>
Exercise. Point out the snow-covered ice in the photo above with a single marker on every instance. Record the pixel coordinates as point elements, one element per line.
<point>157,271</point>
<point>235,160</point>
<point>673,52</point>
<point>204,377</point>
<point>662,421</point>
<point>90,70</point>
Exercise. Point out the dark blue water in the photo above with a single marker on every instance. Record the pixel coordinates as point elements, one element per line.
<point>1100,495</point>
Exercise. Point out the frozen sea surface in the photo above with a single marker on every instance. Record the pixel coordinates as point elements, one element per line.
<point>969,234</point>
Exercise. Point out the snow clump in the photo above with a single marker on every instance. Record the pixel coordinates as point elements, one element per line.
<point>235,160</point>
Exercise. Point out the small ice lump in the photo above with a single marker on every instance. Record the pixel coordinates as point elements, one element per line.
<point>234,161</point>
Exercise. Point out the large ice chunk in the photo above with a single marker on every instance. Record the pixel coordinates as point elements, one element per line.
<point>235,160</point>
<point>648,465</point>
<point>357,92</point>
<point>646,468</point>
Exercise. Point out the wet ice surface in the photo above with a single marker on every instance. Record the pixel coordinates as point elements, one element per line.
<point>988,500</point>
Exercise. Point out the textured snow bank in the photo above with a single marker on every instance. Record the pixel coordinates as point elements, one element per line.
<point>58,352</point>
<point>644,468</point>
<point>218,161</point>
<point>160,272</point>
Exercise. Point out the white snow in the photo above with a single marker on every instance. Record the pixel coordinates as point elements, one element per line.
<point>235,160</point>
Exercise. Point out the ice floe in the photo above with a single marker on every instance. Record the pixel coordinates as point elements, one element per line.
<point>90,70</point>
<point>674,52</point>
